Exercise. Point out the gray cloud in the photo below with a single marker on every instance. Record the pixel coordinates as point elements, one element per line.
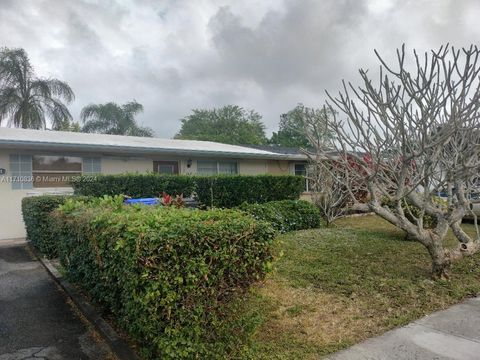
<point>297,47</point>
<point>173,56</point>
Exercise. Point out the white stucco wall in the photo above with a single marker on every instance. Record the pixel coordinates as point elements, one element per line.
<point>279,167</point>
<point>118,165</point>
<point>252,167</point>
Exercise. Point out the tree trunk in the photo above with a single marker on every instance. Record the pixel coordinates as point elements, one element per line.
<point>440,261</point>
<point>461,235</point>
<point>409,237</point>
<point>467,247</point>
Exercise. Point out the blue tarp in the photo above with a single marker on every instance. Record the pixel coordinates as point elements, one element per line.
<point>144,201</point>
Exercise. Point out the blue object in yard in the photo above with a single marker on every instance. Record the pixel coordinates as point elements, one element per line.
<point>144,201</point>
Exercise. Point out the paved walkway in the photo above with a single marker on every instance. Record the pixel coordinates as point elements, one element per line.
<point>449,334</point>
<point>36,322</point>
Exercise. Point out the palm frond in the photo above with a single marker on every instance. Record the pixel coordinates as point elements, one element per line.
<point>25,99</point>
<point>107,112</point>
<point>8,95</point>
<point>132,108</point>
<point>88,112</point>
<point>7,109</point>
<point>140,131</point>
<point>40,89</point>
<point>111,118</point>
<point>56,88</point>
<point>15,67</point>
<point>58,112</point>
<point>97,126</point>
<point>28,115</point>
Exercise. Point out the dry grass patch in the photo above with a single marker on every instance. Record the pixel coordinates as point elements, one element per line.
<point>313,316</point>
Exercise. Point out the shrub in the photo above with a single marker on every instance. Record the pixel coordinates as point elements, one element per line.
<point>228,191</point>
<point>167,274</point>
<point>286,215</point>
<point>225,191</point>
<point>36,211</point>
<point>134,185</point>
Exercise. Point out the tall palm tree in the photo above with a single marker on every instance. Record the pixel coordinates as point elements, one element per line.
<point>111,118</point>
<point>26,100</point>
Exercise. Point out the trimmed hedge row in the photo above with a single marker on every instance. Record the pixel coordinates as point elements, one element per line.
<point>134,185</point>
<point>230,191</point>
<point>286,215</point>
<point>166,274</point>
<point>225,191</point>
<point>36,211</point>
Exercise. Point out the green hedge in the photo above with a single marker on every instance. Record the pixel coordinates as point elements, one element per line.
<point>230,191</point>
<point>225,191</point>
<point>134,185</point>
<point>166,274</point>
<point>36,211</point>
<point>286,215</point>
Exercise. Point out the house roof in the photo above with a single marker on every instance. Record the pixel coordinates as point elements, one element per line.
<point>114,144</point>
<point>292,152</point>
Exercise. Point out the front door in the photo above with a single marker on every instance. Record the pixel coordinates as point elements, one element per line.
<point>166,167</point>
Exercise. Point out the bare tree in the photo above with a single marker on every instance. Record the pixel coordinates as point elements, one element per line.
<point>409,137</point>
<point>330,194</point>
<point>327,181</point>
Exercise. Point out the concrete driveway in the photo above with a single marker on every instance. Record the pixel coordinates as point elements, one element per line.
<point>36,321</point>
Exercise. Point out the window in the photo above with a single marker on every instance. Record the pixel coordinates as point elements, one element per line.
<point>91,165</point>
<point>227,167</point>
<point>165,167</point>
<point>43,171</point>
<point>205,167</point>
<point>301,170</point>
<point>55,171</point>
<point>21,171</point>
<point>211,167</point>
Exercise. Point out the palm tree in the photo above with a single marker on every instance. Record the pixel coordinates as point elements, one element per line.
<point>111,118</point>
<point>25,100</point>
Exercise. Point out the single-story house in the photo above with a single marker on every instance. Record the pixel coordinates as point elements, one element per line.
<point>34,162</point>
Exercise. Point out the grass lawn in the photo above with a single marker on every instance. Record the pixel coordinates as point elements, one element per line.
<point>335,287</point>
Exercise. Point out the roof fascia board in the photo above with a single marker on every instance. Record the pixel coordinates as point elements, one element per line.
<point>34,145</point>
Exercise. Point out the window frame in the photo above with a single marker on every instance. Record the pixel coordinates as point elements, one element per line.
<point>57,183</point>
<point>21,171</point>
<point>95,164</point>
<point>305,174</point>
<point>217,167</point>
<point>174,164</point>
<point>227,162</point>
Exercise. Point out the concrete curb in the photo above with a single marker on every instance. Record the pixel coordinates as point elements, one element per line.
<point>117,345</point>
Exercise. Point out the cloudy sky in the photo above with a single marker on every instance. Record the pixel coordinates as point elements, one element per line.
<point>176,55</point>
